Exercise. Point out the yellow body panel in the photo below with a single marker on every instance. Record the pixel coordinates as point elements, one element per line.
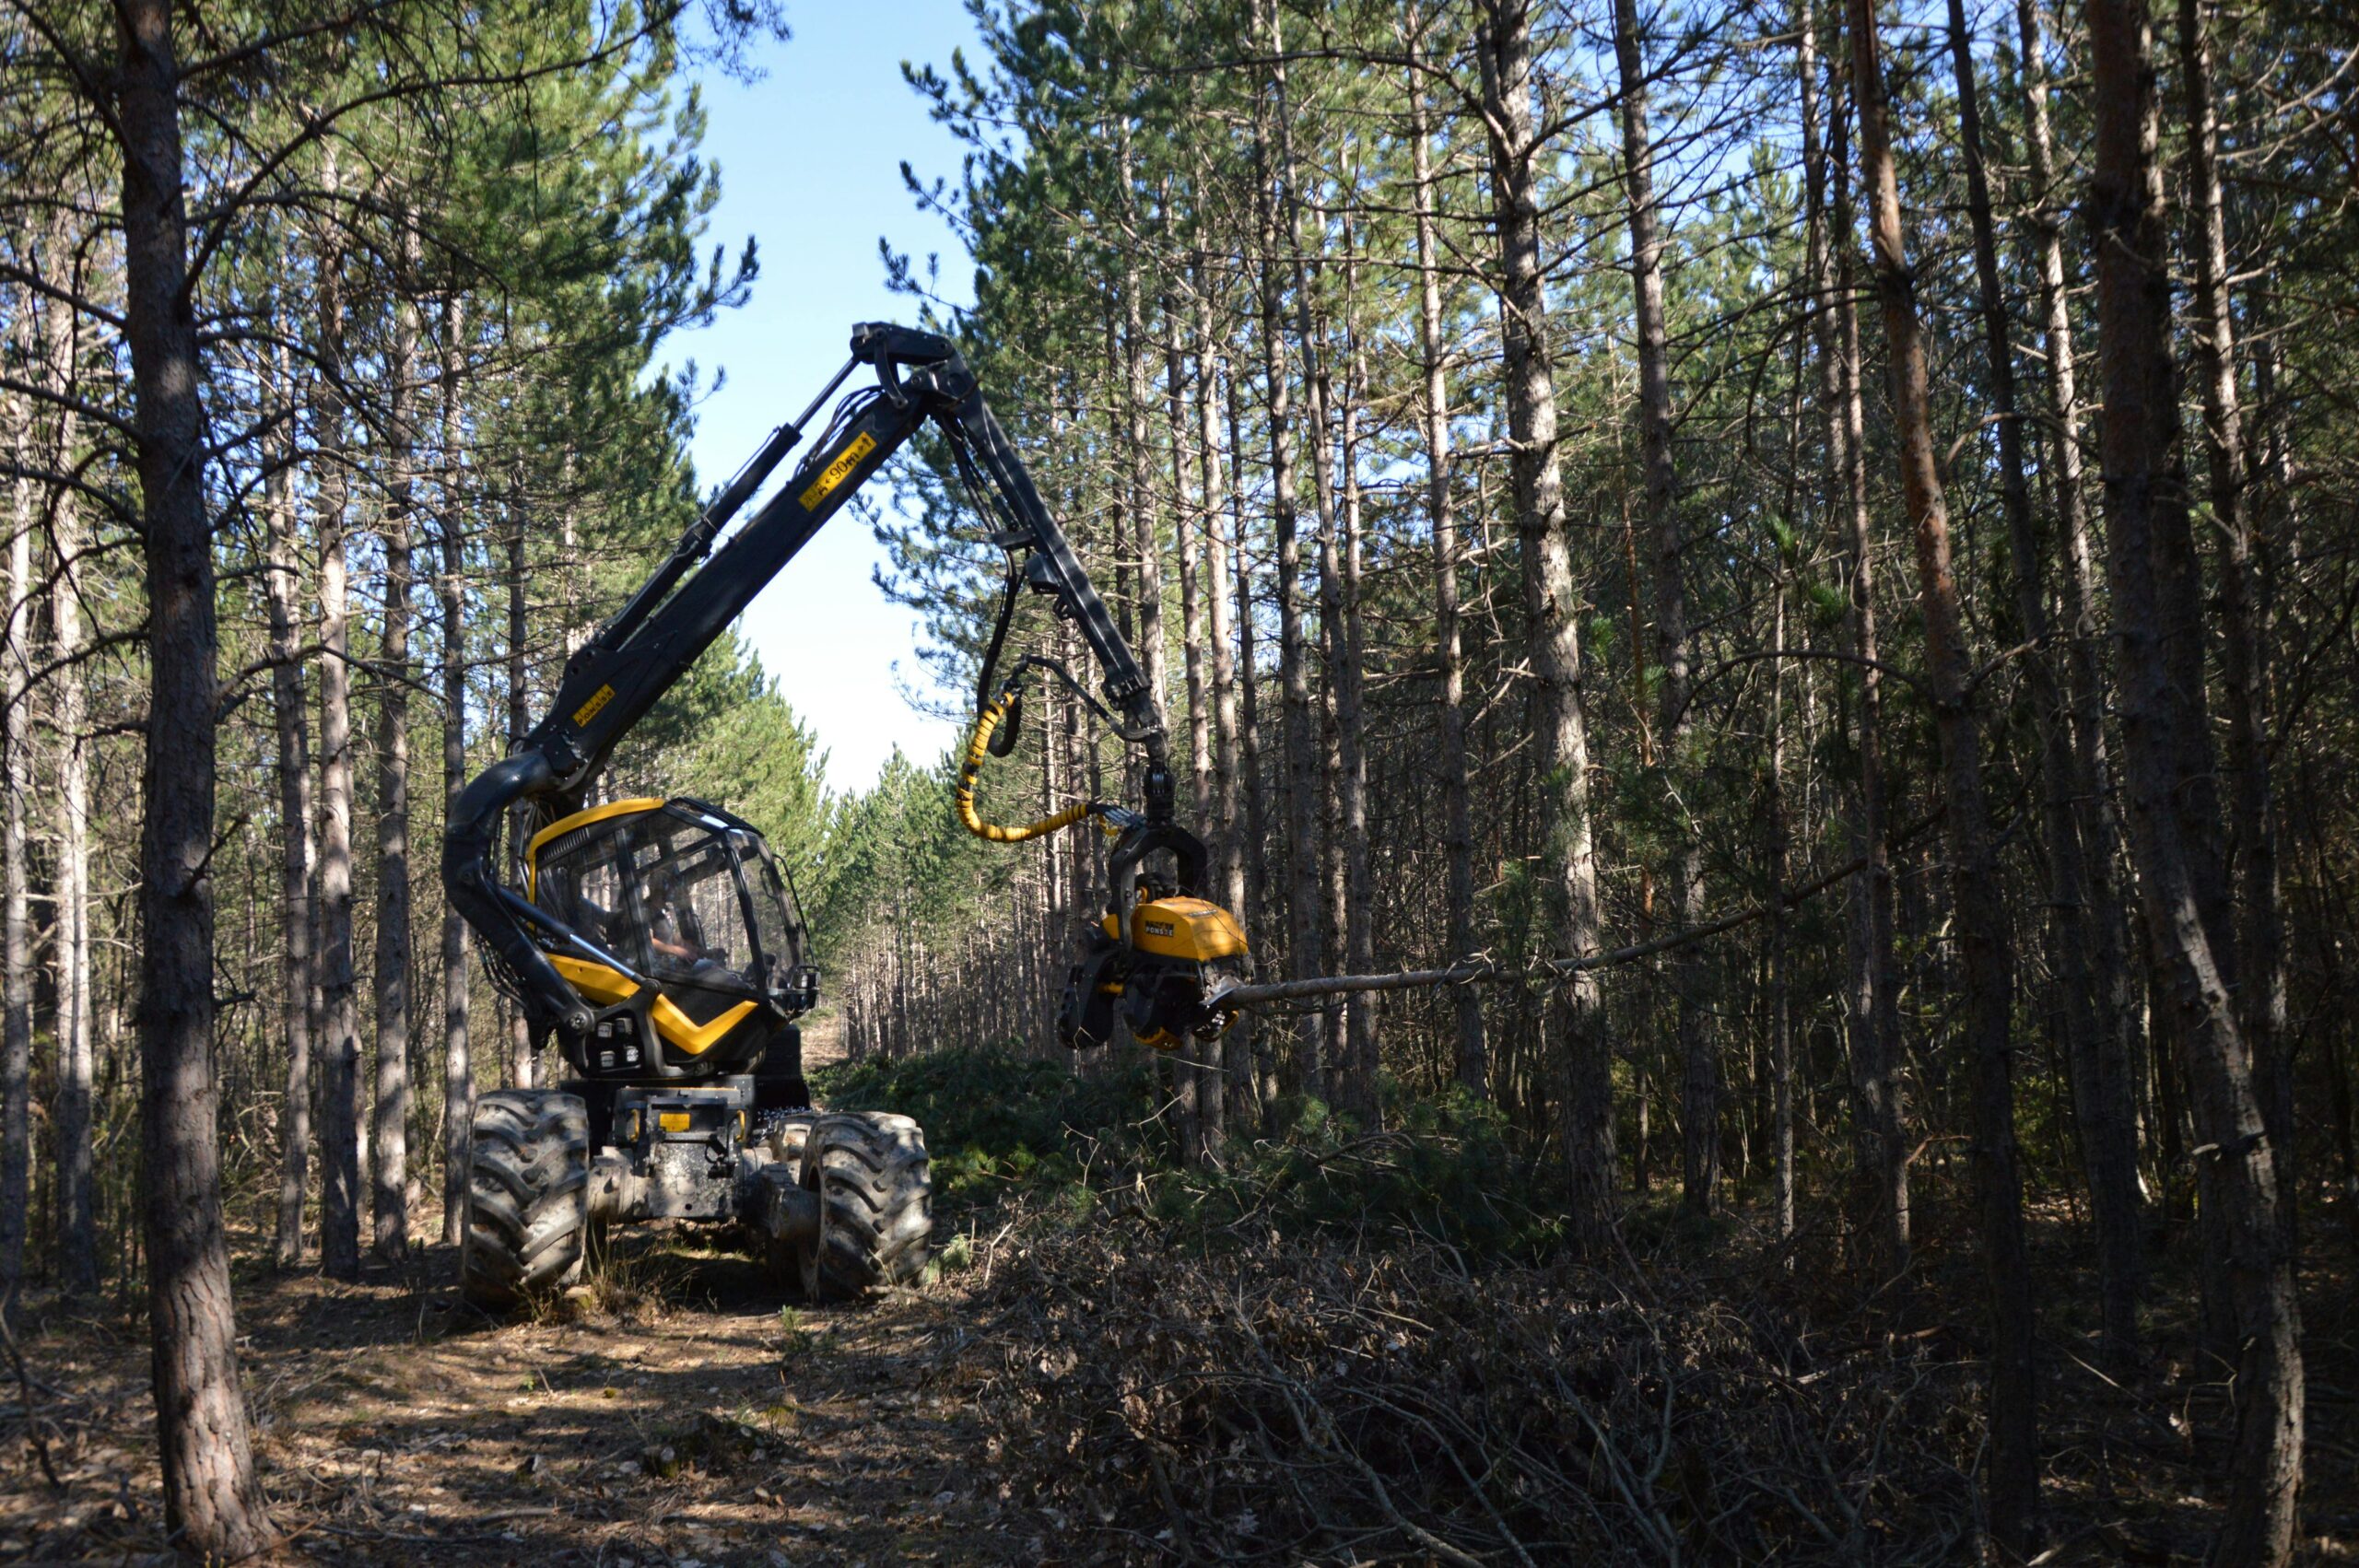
<point>566,824</point>
<point>1188,929</point>
<point>606,986</point>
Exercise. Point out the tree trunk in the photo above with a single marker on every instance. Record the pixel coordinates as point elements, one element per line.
<point>1782,979</point>
<point>388,1141</point>
<point>2109,1132</point>
<point>16,926</point>
<point>458,1069</point>
<point>1471,1058</point>
<point>1145,531</point>
<point>1233,1048</point>
<point>1359,930</point>
<point>2101,834</point>
<point>212,1504</point>
<point>1975,894</point>
<point>2261,969</point>
<point>1551,611</point>
<point>520,724</point>
<point>2166,751</point>
<point>1198,1080</point>
<point>1306,939</point>
<point>344,1097</point>
<point>78,1233</point>
<point>282,588</point>
<point>1699,1053</point>
<point>1258,1082</point>
<point>1874,1003</point>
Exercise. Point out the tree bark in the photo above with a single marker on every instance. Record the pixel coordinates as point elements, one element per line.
<point>1551,611</point>
<point>1253,1050</point>
<point>1359,929</point>
<point>1306,939</point>
<point>282,589</point>
<point>2108,1132</point>
<point>212,1504</point>
<point>1471,1061</point>
<point>2174,822</point>
<point>1233,1048</point>
<point>77,1232</point>
<point>2012,1487</point>
<point>520,723</point>
<point>2101,834</point>
<point>344,1090</point>
<point>16,926</point>
<point>1874,1010</point>
<point>1199,1080</point>
<point>1699,1052</point>
<point>2260,965</point>
<point>458,1067</point>
<point>388,1141</point>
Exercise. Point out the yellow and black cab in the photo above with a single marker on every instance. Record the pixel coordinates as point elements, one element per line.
<point>684,935</point>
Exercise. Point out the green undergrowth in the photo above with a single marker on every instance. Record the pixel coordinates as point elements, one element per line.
<point>996,1122</point>
<point>1002,1127</point>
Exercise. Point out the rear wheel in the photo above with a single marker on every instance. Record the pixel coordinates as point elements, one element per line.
<point>528,1196</point>
<point>876,1190</point>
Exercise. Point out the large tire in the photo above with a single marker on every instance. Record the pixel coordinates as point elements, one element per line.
<point>875,1193</point>
<point>528,1197</point>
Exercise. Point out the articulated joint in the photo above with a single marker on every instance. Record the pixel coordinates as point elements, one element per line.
<point>473,884</point>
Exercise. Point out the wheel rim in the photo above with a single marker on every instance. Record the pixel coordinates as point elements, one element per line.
<point>807,1254</point>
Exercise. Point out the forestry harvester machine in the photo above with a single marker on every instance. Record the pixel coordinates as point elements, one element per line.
<point>659,944</point>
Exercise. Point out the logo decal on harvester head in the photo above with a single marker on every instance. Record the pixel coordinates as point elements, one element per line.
<point>838,471</point>
<point>1155,927</point>
<point>598,699</point>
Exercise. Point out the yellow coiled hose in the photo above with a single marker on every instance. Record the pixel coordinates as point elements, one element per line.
<point>985,722</point>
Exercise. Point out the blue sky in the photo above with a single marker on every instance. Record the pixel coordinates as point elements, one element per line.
<point>810,166</point>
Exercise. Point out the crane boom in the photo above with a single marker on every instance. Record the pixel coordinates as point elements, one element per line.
<point>624,669</point>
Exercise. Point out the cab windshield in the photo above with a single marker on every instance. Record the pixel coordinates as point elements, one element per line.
<point>663,892</point>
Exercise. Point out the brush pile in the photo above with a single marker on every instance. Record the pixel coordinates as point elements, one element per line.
<point>1308,1398</point>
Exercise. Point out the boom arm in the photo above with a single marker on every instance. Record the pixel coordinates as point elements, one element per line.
<point>616,676</point>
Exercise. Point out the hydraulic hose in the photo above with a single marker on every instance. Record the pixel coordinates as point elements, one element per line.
<point>968,771</point>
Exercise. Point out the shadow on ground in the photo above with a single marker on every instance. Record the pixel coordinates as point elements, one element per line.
<point>671,1414</point>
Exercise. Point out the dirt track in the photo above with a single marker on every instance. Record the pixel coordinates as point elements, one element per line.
<point>697,1426</point>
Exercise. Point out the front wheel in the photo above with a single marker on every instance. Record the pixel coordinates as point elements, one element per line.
<point>870,1171</point>
<point>528,1196</point>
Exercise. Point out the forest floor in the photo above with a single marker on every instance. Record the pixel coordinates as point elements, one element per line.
<point>1087,1361</point>
<point>672,1415</point>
